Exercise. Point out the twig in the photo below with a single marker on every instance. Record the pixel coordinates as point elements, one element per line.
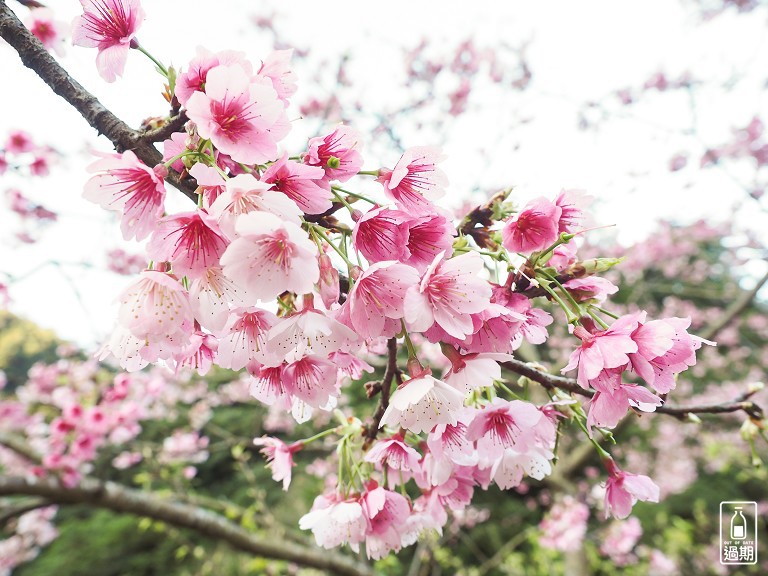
<point>551,382</point>
<point>737,307</point>
<point>386,384</point>
<point>112,496</point>
<point>35,57</point>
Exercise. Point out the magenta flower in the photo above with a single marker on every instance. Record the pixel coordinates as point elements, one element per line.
<point>378,296</point>
<point>271,256</point>
<point>624,489</point>
<point>382,234</point>
<point>110,26</point>
<point>502,425</point>
<point>309,332</point>
<point>194,78</point>
<point>387,513</point>
<point>47,29</point>
<point>190,241</point>
<point>608,406</point>
<point>603,349</point>
<point>450,292</point>
<point>571,213</point>
<point>336,153</point>
<point>301,183</point>
<point>428,235</point>
<point>394,454</point>
<point>279,457</point>
<point>416,180</point>
<point>242,117</point>
<point>535,228</point>
<point>312,379</point>
<point>125,184</point>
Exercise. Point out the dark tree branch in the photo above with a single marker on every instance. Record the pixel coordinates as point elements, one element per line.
<point>35,57</point>
<point>386,385</point>
<point>112,496</point>
<point>174,124</point>
<point>552,382</point>
<point>8,513</point>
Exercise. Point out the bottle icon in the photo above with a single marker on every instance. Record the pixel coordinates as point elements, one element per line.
<point>738,525</point>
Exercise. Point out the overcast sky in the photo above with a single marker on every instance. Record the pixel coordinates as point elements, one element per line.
<point>578,52</point>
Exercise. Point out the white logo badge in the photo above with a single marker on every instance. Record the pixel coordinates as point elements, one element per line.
<point>738,533</point>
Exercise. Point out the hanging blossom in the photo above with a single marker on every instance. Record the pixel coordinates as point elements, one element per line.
<point>125,184</point>
<point>416,181</point>
<point>110,26</point>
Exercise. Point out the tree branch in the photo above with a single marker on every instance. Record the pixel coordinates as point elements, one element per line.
<point>35,57</point>
<point>552,382</point>
<point>112,496</point>
<point>386,385</point>
<point>737,307</point>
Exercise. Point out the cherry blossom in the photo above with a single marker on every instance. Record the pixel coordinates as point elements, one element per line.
<point>110,26</point>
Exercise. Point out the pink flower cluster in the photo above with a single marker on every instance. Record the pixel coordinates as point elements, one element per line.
<point>655,351</point>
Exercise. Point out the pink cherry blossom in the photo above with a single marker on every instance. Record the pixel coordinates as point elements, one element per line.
<point>301,183</point>
<point>388,513</point>
<point>473,371</point>
<point>244,194</point>
<point>245,337</point>
<point>571,213</point>
<point>624,489</point>
<point>502,424</point>
<point>279,457</point>
<point>609,406</point>
<point>382,234</point>
<point>308,332</point>
<point>110,26</point>
<point>125,184</point>
<point>194,78</point>
<point>241,117</point>
<point>603,349</point>
<point>422,402</point>
<point>210,296</point>
<point>449,293</point>
<point>156,304</point>
<point>335,521</point>
<point>328,285</point>
<point>378,295</point>
<point>311,379</point>
<point>190,241</point>
<point>276,67</point>
<point>19,142</point>
<point>565,526</point>
<point>428,235</point>
<point>46,28</point>
<point>665,348</point>
<point>337,153</point>
<point>395,455</point>
<point>199,354</point>
<point>271,256</point>
<point>533,229</point>
<point>416,180</point>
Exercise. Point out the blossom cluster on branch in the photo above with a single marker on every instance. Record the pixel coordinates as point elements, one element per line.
<point>291,269</point>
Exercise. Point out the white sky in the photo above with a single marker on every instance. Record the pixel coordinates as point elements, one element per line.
<point>578,51</point>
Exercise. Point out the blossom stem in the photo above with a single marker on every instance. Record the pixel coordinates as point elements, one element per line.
<point>343,201</point>
<point>597,318</point>
<point>321,232</point>
<point>368,173</point>
<point>408,343</point>
<point>600,450</point>
<point>353,194</point>
<point>163,70</point>
<point>319,435</point>
<point>570,316</point>
<point>604,311</point>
